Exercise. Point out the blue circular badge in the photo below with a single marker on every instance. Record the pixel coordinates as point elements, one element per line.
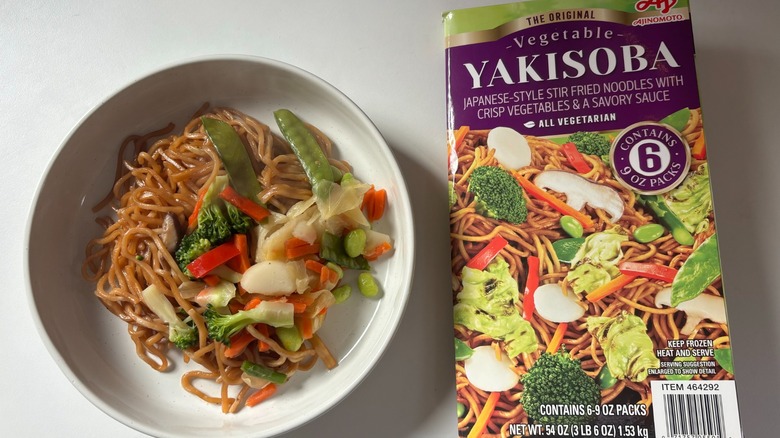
<point>650,158</point>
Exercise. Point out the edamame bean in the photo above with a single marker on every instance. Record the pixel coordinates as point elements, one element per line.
<point>341,293</point>
<point>606,379</point>
<point>290,338</point>
<point>367,285</point>
<point>355,242</point>
<point>572,226</point>
<point>461,410</point>
<point>648,233</point>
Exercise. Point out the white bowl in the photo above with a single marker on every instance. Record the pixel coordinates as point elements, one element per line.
<point>92,347</point>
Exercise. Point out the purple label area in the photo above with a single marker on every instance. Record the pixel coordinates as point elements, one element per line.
<point>559,78</point>
<point>650,158</point>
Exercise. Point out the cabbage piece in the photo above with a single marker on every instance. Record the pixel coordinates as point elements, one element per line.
<point>487,304</point>
<point>626,344</point>
<point>595,263</point>
<point>691,201</point>
<point>340,208</point>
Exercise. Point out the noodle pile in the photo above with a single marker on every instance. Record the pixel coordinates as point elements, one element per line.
<point>165,178</point>
<point>470,232</point>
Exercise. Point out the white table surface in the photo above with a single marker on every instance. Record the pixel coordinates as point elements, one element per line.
<point>59,59</point>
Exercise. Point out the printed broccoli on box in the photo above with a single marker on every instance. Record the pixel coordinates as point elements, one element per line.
<point>587,292</point>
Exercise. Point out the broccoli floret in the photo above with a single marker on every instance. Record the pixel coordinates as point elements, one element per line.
<point>556,379</point>
<point>590,143</point>
<point>213,225</point>
<point>180,333</point>
<point>239,222</point>
<point>498,194</point>
<point>212,230</point>
<point>222,326</point>
<point>190,248</point>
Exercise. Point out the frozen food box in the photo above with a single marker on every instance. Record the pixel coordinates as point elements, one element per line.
<point>586,280</point>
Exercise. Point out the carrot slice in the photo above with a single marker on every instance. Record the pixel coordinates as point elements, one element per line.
<point>484,415</point>
<point>211,280</point>
<point>246,205</point>
<point>193,219</point>
<point>378,251</point>
<point>613,286</point>
<point>263,329</point>
<point>241,263</point>
<point>306,326</point>
<point>563,208</point>
<point>254,302</point>
<point>368,203</point>
<point>328,277</point>
<point>261,395</point>
<point>379,203</point>
<point>460,135</point>
<point>295,248</point>
<point>314,266</point>
<point>557,339</point>
<point>238,343</point>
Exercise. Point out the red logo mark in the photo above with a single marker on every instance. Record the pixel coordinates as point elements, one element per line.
<point>662,5</point>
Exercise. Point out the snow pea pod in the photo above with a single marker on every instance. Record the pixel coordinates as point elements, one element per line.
<point>234,157</point>
<point>305,147</point>
<point>698,272</point>
<point>667,217</point>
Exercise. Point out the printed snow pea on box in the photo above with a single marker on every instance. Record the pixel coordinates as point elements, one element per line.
<point>587,291</point>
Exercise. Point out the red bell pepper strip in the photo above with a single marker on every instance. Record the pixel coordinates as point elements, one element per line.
<point>575,158</point>
<point>246,205</point>
<point>648,270</point>
<point>211,259</point>
<point>488,253</point>
<point>531,283</point>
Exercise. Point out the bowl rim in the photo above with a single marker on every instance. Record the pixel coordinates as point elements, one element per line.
<point>383,146</point>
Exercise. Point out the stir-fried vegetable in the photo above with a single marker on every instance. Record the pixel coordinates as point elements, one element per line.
<point>595,263</point>
<point>462,350</point>
<point>487,304</point>
<point>691,201</point>
<point>256,370</point>
<point>667,217</point>
<point>678,119</point>
<point>488,253</point>
<point>246,205</point>
<point>216,223</point>
<point>591,143</point>
<point>698,272</point>
<point>497,194</point>
<point>648,270</point>
<point>557,379</point>
<point>306,148</point>
<point>627,347</point>
<point>537,192</point>
<point>211,259</point>
<point>531,284</point>
<point>222,327</point>
<point>575,158</point>
<point>234,157</point>
<point>332,249</point>
<point>179,333</point>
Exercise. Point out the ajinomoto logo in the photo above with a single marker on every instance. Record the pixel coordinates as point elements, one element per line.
<point>662,5</point>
